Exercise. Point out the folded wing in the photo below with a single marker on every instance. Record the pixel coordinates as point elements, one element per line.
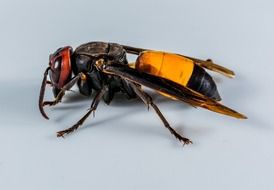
<point>170,88</point>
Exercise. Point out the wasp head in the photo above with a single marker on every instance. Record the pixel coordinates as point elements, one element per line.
<point>59,71</point>
<point>60,68</point>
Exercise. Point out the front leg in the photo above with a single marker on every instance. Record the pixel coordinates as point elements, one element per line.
<point>93,107</point>
<point>63,90</point>
<point>55,101</point>
<point>60,95</point>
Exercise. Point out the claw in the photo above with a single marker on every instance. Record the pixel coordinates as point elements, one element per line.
<point>67,131</point>
<point>186,141</point>
<point>60,134</point>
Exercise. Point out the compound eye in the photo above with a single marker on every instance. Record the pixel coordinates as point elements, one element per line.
<point>60,67</point>
<point>55,70</point>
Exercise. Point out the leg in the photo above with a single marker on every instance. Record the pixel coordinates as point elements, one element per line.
<point>62,92</point>
<point>93,107</point>
<point>148,101</point>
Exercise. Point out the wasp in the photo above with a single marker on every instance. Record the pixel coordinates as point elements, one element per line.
<point>103,69</point>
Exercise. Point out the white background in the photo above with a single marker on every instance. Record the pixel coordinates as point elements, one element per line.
<point>125,146</point>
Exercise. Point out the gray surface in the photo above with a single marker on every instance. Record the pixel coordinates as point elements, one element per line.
<point>124,146</point>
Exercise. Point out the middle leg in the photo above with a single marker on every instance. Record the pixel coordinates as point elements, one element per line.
<point>93,107</point>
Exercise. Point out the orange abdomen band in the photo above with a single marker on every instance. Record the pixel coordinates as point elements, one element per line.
<point>166,65</point>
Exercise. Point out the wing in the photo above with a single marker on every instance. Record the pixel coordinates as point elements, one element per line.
<point>208,64</point>
<point>170,88</point>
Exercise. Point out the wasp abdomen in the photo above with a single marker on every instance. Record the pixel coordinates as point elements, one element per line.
<point>179,69</point>
<point>202,82</point>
